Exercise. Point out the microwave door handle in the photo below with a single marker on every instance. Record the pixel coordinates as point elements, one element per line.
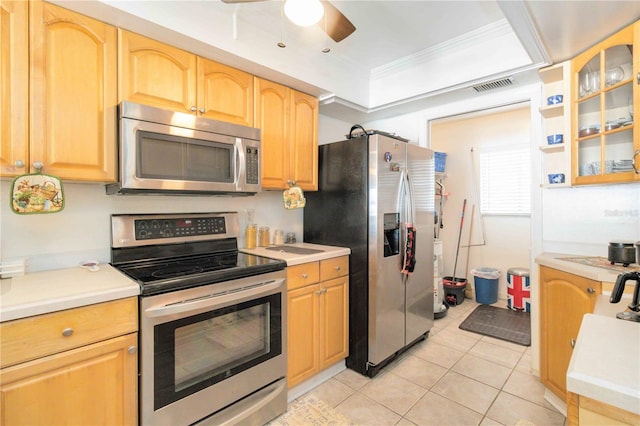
<point>240,162</point>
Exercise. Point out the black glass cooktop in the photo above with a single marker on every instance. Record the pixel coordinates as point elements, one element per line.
<point>160,276</point>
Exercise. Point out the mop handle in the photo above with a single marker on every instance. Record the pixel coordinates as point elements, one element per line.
<point>455,264</point>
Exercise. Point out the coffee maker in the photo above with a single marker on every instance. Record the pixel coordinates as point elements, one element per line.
<point>618,289</point>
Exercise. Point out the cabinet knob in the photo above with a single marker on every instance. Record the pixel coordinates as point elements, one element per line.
<point>193,108</point>
<point>202,110</point>
<point>132,350</point>
<point>590,290</point>
<point>67,332</point>
<point>38,166</point>
<point>305,276</point>
<point>572,342</point>
<point>338,268</point>
<point>19,163</point>
<point>638,78</point>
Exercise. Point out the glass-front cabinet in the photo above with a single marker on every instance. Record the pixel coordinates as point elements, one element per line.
<point>605,90</point>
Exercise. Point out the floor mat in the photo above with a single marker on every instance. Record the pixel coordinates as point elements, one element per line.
<point>504,324</point>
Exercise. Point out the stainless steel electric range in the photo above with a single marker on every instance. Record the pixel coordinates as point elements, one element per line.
<point>212,319</point>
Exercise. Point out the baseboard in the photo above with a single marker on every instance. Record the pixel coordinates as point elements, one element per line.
<point>554,400</point>
<point>316,380</point>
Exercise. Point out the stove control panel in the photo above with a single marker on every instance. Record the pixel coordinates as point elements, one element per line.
<point>170,228</point>
<point>178,227</point>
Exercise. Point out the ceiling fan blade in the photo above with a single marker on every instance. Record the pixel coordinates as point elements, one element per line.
<point>338,27</point>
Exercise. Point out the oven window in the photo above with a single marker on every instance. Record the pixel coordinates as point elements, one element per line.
<point>179,158</point>
<point>198,351</point>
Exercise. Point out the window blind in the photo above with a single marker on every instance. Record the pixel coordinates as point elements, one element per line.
<point>505,178</point>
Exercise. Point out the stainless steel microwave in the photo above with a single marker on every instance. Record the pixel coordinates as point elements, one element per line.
<point>167,152</point>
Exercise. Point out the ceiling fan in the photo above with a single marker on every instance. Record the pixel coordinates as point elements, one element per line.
<point>334,23</point>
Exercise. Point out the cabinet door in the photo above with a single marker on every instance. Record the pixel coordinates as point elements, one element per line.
<point>14,60</point>
<point>604,135</point>
<point>304,140</point>
<point>334,330</point>
<point>153,73</point>
<point>95,384</point>
<point>272,117</point>
<point>73,94</point>
<point>224,93</point>
<point>302,335</point>
<point>564,299</point>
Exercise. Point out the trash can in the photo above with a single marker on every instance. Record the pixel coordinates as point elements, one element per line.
<point>518,289</point>
<point>486,284</point>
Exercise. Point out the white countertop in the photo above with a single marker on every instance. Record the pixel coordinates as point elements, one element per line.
<point>48,291</point>
<point>554,260</point>
<point>605,364</point>
<point>292,259</point>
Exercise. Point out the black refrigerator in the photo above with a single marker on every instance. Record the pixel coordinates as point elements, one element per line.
<point>376,196</point>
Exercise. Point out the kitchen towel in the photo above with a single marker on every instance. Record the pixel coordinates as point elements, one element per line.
<point>36,193</point>
<point>294,198</point>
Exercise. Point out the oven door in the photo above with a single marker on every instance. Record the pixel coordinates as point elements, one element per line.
<point>205,348</point>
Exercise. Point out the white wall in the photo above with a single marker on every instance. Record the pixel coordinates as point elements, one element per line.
<point>82,230</point>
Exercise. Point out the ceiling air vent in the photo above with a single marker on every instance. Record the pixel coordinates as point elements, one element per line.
<point>495,84</point>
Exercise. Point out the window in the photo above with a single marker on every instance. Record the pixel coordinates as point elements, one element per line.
<point>505,176</point>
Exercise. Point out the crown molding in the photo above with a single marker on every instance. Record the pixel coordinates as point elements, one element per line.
<point>518,16</point>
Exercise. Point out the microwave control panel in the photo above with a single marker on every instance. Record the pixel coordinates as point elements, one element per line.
<point>253,171</point>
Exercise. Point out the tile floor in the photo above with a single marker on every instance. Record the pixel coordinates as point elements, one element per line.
<point>454,377</point>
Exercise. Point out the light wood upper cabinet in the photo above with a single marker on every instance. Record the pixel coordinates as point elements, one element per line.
<point>289,123</point>
<point>14,59</point>
<point>73,94</point>
<point>225,93</point>
<point>157,74</point>
<point>59,103</point>
<point>605,91</point>
<point>564,299</point>
<point>154,73</point>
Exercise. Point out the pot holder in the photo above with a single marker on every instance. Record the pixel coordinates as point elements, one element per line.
<point>294,198</point>
<point>36,193</point>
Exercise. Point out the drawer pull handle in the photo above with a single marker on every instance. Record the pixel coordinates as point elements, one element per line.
<point>67,332</point>
<point>132,350</point>
<point>572,342</point>
<point>590,290</point>
<point>338,268</point>
<point>305,276</point>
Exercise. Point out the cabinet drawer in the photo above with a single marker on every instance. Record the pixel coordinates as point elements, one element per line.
<point>302,275</point>
<point>334,267</point>
<point>30,338</point>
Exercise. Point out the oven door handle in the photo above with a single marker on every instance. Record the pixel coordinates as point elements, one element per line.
<point>217,300</point>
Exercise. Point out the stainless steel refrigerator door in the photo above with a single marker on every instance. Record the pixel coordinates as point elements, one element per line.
<point>419,285</point>
<point>387,160</point>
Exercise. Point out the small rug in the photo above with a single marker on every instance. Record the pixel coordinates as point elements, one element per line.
<point>309,410</point>
<point>504,324</point>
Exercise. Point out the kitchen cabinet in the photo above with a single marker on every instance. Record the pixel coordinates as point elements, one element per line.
<point>317,304</point>
<point>71,93</point>
<point>605,91</point>
<point>564,299</point>
<point>582,410</point>
<point>77,366</point>
<point>556,157</point>
<point>157,74</point>
<point>289,123</point>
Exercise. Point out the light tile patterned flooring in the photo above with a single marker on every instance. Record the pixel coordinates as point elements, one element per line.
<point>454,377</point>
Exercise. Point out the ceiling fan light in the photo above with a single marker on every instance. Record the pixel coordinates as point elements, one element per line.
<point>303,12</point>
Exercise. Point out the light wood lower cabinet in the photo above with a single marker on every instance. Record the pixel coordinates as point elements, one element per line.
<point>84,371</point>
<point>564,299</point>
<point>582,410</point>
<point>317,317</point>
